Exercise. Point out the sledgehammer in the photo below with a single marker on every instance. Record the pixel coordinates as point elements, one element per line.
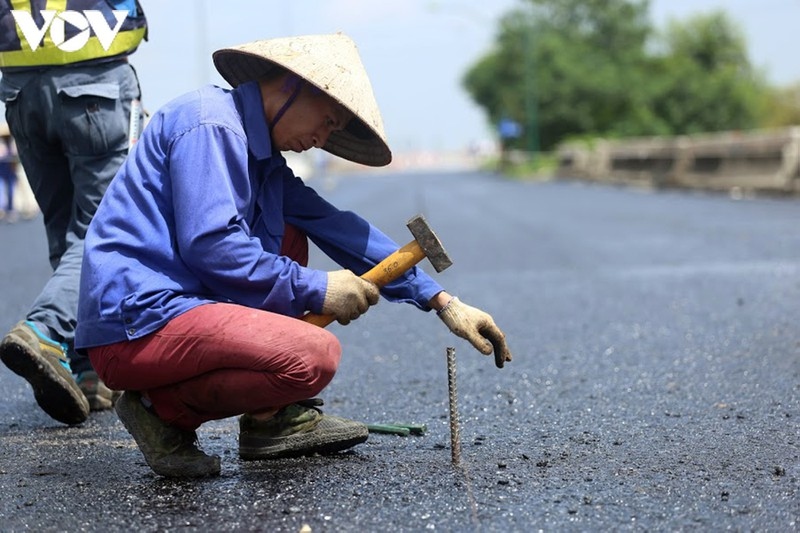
<point>425,244</point>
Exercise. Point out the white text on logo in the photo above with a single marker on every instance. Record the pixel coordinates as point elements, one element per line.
<point>57,21</point>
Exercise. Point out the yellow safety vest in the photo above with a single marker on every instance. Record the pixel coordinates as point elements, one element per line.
<point>16,51</point>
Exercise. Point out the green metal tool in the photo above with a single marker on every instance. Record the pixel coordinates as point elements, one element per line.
<point>401,429</point>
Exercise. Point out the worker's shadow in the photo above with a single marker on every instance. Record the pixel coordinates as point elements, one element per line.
<point>299,471</point>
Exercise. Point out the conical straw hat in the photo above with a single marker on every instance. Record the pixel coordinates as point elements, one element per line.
<point>332,64</point>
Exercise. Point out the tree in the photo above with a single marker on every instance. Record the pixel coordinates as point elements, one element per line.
<point>707,81</point>
<point>782,107</point>
<point>598,68</point>
<point>578,62</point>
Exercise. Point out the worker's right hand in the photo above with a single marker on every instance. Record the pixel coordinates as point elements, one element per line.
<point>478,328</point>
<point>348,296</point>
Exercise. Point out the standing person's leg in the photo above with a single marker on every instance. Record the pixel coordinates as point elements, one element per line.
<point>31,348</point>
<point>92,120</point>
<point>71,127</point>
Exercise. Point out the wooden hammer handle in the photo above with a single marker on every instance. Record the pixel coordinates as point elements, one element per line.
<point>385,272</point>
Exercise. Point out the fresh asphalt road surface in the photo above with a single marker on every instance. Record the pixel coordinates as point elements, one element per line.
<point>655,385</point>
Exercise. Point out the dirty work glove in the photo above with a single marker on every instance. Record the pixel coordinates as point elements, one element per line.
<point>348,296</point>
<point>478,328</point>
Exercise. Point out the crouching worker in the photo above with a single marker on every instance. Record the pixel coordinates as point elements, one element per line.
<point>195,267</point>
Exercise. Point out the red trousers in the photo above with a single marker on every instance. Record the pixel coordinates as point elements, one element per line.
<point>220,360</point>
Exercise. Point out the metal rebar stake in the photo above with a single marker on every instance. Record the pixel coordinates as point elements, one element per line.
<point>455,437</point>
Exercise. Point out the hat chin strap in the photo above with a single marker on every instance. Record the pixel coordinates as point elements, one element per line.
<point>298,86</point>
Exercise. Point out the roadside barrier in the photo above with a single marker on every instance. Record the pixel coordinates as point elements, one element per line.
<point>765,161</point>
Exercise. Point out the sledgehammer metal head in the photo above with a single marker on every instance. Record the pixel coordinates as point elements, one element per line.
<point>429,242</point>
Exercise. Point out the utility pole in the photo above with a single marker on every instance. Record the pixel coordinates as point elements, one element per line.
<point>531,103</point>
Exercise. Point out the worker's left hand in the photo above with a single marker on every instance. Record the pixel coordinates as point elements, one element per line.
<point>478,328</point>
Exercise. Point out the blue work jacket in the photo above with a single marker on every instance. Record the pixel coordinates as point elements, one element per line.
<point>196,215</point>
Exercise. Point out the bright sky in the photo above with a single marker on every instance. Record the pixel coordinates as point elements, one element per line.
<point>415,51</point>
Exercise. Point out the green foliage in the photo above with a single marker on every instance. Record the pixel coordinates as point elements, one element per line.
<point>576,68</point>
<point>707,82</point>
<point>542,166</point>
<point>782,107</point>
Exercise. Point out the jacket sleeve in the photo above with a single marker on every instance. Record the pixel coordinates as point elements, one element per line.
<point>352,242</point>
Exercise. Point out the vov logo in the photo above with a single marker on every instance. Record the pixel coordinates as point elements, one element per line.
<point>85,21</point>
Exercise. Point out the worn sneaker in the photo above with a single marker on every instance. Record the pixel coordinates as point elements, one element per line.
<point>43,363</point>
<point>297,429</point>
<point>169,451</point>
<point>99,396</point>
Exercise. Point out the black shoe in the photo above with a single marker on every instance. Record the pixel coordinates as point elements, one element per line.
<point>297,429</point>
<point>43,363</point>
<point>99,396</point>
<point>169,451</point>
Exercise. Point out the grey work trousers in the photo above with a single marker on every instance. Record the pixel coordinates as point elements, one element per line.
<point>71,125</point>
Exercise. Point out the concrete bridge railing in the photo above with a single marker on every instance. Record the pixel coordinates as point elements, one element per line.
<point>759,161</point>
